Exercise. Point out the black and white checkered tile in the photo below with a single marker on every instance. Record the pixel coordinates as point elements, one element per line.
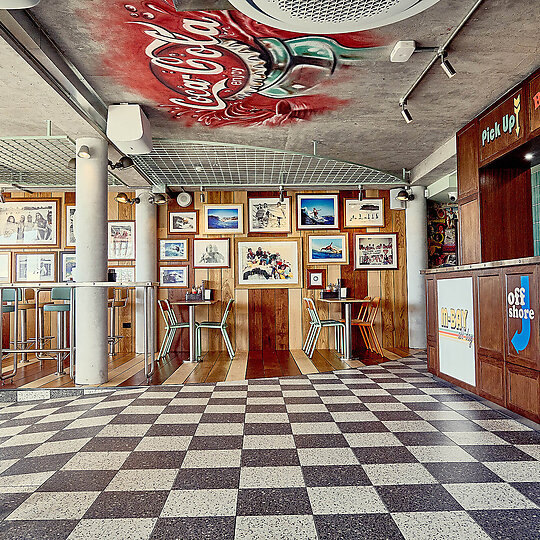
<point>379,452</point>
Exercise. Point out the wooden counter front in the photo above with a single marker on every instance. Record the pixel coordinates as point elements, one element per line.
<point>506,308</point>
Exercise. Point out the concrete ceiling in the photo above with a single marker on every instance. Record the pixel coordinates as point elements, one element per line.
<point>497,49</point>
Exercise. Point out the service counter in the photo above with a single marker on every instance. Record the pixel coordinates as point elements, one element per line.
<point>483,330</point>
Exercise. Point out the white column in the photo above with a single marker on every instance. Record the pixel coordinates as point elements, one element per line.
<point>91,250</point>
<point>417,259</point>
<point>145,257</point>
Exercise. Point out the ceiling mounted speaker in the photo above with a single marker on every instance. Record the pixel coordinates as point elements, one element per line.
<point>18,4</point>
<point>330,16</point>
<point>184,199</point>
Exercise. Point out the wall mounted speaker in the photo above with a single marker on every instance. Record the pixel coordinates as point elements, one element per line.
<point>18,4</point>
<point>184,199</point>
<point>129,129</point>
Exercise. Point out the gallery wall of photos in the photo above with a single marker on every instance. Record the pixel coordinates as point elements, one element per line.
<point>248,246</point>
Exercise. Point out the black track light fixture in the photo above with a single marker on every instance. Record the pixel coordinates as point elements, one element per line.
<point>405,113</point>
<point>447,67</point>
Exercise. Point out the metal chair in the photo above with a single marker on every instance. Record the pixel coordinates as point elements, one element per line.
<point>220,325</point>
<point>118,299</point>
<point>367,329</point>
<point>171,326</point>
<point>316,324</point>
<point>63,294</point>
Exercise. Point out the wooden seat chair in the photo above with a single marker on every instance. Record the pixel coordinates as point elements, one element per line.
<point>366,326</point>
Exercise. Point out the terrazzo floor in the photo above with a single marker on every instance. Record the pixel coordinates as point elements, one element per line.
<point>376,452</point>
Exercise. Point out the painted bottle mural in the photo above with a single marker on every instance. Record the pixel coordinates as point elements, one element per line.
<point>220,68</point>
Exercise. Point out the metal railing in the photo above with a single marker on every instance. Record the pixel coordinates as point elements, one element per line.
<point>149,304</point>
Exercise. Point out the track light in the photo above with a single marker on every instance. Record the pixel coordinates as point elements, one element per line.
<point>123,163</point>
<point>72,163</point>
<point>202,194</point>
<point>281,195</point>
<point>84,152</point>
<point>158,198</point>
<point>124,199</point>
<point>2,199</point>
<point>405,113</point>
<point>404,195</point>
<point>447,66</point>
<point>360,193</point>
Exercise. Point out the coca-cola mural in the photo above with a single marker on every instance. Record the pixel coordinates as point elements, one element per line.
<point>221,68</point>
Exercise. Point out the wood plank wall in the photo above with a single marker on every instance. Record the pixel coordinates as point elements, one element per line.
<point>274,319</point>
<point>116,211</point>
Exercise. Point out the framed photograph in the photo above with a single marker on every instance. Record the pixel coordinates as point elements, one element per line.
<point>35,267</point>
<point>173,276</point>
<point>364,213</point>
<point>211,253</point>
<point>317,211</point>
<point>70,240</point>
<point>5,267</point>
<point>223,219</point>
<point>183,222</point>
<point>173,250</point>
<point>29,223</point>
<point>375,251</point>
<point>269,215</point>
<point>121,240</point>
<point>124,273</point>
<point>264,263</point>
<point>68,262</point>
<point>316,278</point>
<point>328,249</point>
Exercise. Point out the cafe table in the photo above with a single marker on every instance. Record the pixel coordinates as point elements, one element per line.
<point>191,305</point>
<point>347,305</point>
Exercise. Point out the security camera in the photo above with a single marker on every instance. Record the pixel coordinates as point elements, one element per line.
<point>452,196</point>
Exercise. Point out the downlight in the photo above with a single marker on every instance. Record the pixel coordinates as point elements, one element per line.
<point>330,16</point>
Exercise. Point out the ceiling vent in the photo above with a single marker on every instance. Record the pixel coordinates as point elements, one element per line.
<point>330,16</point>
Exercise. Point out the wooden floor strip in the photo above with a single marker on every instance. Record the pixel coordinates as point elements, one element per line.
<point>121,377</point>
<point>42,381</point>
<point>305,365</point>
<point>390,355</point>
<point>181,374</point>
<point>221,369</point>
<point>237,371</point>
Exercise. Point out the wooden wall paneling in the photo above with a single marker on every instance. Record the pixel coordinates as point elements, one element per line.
<point>255,319</point>
<point>433,358</point>
<point>401,316</point>
<point>282,319</point>
<point>431,309</point>
<point>523,391</point>
<point>506,212</point>
<point>241,317</point>
<point>268,320</point>
<point>469,236</point>
<point>333,273</point>
<point>491,379</point>
<point>296,318</point>
<point>467,160</point>
<point>491,310</point>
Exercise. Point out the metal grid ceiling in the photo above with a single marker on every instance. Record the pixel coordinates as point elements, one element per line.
<point>197,163</point>
<point>40,162</point>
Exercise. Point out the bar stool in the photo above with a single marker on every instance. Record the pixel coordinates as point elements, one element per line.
<point>171,326</point>
<point>8,295</point>
<point>118,299</point>
<point>316,324</point>
<point>220,325</point>
<point>58,293</point>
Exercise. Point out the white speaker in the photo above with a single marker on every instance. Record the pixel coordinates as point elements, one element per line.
<point>129,129</point>
<point>396,204</point>
<point>184,199</point>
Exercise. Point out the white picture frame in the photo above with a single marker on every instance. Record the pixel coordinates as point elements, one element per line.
<point>68,264</point>
<point>328,249</point>
<point>70,239</point>
<point>211,253</point>
<point>317,211</point>
<point>35,267</point>
<point>121,237</point>
<point>223,219</point>
<point>183,222</point>
<point>124,274</point>
<point>363,213</point>
<point>171,249</point>
<point>174,276</point>
<point>269,215</point>
<point>5,267</point>
<point>375,251</point>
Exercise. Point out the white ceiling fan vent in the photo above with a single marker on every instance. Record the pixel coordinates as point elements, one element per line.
<point>330,16</point>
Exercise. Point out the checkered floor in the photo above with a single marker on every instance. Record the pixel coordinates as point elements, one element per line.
<point>378,452</point>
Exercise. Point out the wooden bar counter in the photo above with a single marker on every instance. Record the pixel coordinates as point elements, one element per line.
<point>483,330</point>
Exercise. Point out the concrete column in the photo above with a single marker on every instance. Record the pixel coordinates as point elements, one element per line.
<point>145,257</point>
<point>417,259</point>
<point>91,251</point>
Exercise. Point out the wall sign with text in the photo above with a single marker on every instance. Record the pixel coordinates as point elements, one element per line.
<point>456,329</point>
